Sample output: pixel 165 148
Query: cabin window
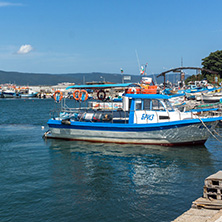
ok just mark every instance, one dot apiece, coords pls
pixel 146 104
pixel 168 105
pixel 157 105
pixel 138 104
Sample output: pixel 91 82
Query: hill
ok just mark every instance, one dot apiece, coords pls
pixel 53 79
pixel 35 79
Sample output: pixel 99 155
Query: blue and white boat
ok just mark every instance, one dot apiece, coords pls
pixel 26 92
pixel 143 119
pixel 10 93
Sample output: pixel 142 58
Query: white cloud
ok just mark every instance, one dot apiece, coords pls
pixel 5 4
pixel 24 49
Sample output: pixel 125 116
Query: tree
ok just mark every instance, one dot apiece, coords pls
pixel 213 62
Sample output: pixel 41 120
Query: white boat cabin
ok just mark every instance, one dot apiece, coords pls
pixel 153 108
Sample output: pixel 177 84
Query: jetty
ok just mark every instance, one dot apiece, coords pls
pixel 207 208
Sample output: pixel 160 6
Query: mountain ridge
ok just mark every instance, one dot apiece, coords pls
pixel 22 78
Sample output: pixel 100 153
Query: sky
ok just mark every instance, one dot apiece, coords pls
pixel 72 36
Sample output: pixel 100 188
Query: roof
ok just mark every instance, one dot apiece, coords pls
pixel 102 86
pixel 147 96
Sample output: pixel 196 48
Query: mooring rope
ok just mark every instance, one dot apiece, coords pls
pixel 209 130
pixel 45 134
pixel 217 133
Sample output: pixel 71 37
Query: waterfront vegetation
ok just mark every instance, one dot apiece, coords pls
pixel 212 62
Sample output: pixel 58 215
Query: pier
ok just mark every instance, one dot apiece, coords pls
pixel 209 207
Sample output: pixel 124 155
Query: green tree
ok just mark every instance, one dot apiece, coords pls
pixel 213 62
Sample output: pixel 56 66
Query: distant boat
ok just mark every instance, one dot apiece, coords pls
pixel 9 93
pixel 212 98
pixel 143 119
pixel 27 93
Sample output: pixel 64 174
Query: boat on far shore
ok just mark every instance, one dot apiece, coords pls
pixel 27 92
pixel 10 91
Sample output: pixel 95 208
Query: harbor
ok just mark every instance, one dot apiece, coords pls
pixel 158 142
pixel 110 111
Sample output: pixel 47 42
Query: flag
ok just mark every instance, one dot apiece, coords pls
pixel 142 70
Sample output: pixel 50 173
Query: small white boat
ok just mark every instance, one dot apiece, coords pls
pixel 27 93
pixel 144 119
pixel 9 93
pixel 212 98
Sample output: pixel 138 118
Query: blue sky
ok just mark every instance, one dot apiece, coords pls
pixel 70 36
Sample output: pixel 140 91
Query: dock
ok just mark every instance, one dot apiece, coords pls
pixel 209 207
pixel 200 215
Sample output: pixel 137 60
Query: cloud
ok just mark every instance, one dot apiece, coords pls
pixel 24 49
pixel 5 4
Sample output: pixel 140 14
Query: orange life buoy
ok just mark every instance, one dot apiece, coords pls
pixel 78 95
pixel 83 91
pixel 60 95
pixel 101 95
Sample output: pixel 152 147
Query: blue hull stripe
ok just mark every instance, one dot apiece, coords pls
pixel 128 127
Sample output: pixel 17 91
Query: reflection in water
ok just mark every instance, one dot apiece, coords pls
pixel 107 149
pixel 133 179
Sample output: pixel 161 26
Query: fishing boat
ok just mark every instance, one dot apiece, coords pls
pixel 142 119
pixel 212 97
pixel 26 92
pixel 10 91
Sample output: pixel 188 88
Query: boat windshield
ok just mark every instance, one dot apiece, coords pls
pixel 168 105
pixel 153 104
pixel 157 105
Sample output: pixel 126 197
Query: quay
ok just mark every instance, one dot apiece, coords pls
pixel 45 92
pixel 42 91
pixel 209 207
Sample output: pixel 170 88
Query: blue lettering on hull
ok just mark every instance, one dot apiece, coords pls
pixel 147 116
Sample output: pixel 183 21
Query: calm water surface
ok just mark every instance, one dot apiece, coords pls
pixel 57 180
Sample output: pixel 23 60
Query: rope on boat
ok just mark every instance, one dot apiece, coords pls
pixel 45 134
pixel 209 130
pixel 217 133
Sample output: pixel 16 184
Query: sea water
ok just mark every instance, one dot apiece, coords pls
pixel 56 180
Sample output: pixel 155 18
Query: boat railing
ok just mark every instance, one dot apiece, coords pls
pixel 87 114
pixel 91 111
pixel 214 113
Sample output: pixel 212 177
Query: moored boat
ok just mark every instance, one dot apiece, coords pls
pixel 143 119
pixel 10 92
pixel 212 98
pixel 26 92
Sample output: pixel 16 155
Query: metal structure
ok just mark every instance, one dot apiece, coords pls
pixel 179 69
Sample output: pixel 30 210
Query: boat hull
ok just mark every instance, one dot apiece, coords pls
pixel 213 99
pixel 8 94
pixel 164 134
pixel 28 95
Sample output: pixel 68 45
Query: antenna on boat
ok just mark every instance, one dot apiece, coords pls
pixel 138 61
